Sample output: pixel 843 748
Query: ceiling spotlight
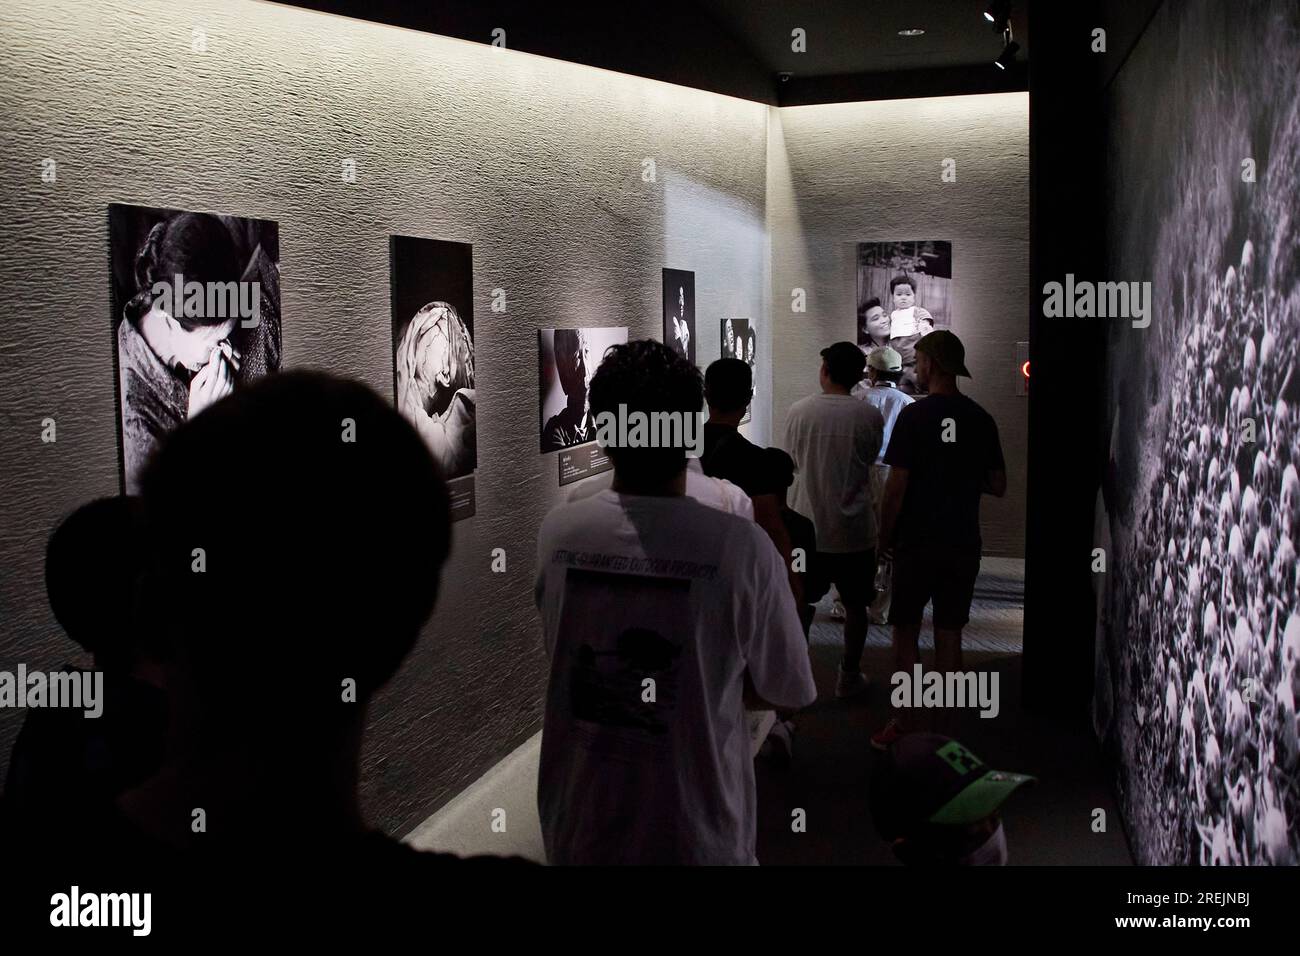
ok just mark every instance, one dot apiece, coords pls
pixel 1008 55
pixel 913 32
pixel 998 13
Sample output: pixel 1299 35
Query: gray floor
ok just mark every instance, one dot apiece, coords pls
pixel 1049 823
pixel 997 616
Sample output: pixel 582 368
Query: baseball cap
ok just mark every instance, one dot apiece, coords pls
pixel 885 359
pixel 930 778
pixel 844 361
pixel 946 350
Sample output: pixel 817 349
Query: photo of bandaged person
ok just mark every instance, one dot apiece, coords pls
pixel 433 355
pixel 435 385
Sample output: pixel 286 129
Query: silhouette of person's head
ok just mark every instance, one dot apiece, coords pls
pixel 648 377
pixel 728 385
pixel 780 468
pixel 297 531
pixel 91 564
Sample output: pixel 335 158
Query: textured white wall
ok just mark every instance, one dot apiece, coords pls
pixel 534 161
pixel 538 164
pixel 854 172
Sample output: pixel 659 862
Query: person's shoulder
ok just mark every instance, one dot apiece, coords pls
pixel 976 408
pixel 571 514
pixel 869 411
pixel 912 413
pixel 912 409
pixel 748 549
pixel 801 406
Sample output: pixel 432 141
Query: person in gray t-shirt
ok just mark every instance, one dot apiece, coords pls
pixel 834 439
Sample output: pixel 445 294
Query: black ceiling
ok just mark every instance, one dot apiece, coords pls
pixel 742 47
pixel 862 36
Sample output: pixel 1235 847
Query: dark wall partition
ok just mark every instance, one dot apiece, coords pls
pixel 1067 357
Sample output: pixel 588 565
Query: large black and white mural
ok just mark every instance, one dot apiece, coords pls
pixel 1198 655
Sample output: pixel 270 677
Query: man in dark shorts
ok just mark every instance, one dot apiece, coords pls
pixel 943 454
pixel 833 439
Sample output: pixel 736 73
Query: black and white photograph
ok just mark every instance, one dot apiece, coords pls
pixel 433 354
pixel 679 312
pixel 1199 654
pixel 196 314
pixel 568 358
pixel 734 339
pixel 904 291
pixel 739 339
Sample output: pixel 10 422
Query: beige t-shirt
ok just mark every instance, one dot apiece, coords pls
pixel 833 440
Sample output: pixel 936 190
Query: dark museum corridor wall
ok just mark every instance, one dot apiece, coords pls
pixel 539 164
pixel 1198 661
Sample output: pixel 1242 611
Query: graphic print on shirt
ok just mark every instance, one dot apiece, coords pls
pixel 624 668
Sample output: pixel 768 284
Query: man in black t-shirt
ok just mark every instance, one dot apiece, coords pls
pixel 728 388
pixel 943 455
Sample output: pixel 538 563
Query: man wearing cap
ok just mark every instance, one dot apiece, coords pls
pixel 880 389
pixel 937 803
pixel 833 439
pixel 943 454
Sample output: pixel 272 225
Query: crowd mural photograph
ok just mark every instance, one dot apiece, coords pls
pixel 323 621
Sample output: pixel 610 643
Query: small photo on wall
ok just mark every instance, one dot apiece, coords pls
pixel 679 312
pixel 739 340
pixel 196 314
pixel 433 355
pixel 904 292
pixel 567 360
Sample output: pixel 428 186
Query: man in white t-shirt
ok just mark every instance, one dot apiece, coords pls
pixel 833 439
pixel 664 620
pixel 714 492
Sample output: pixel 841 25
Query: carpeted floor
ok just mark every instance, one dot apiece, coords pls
pixel 1049 823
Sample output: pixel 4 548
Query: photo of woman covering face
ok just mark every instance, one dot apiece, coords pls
pixel 196 314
